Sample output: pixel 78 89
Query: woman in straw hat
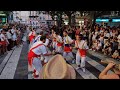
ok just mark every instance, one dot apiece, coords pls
pixel 82 47
pixel 104 74
pixel 36 51
pixel 57 68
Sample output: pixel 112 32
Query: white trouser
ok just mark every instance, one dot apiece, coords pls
pixel 78 58
pixel 59 49
pixel 70 54
pixel 37 64
pixel 54 45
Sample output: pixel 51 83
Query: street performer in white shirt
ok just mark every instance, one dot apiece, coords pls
pixel 59 43
pixel 37 38
pixel 82 47
pixel 54 41
pixel 67 46
pixel 35 53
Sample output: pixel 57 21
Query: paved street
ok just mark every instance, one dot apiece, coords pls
pixel 14 65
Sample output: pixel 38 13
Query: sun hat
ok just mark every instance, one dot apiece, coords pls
pixel 57 68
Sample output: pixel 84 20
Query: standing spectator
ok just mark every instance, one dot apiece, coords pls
pixel 14 36
pixel 119 44
pixel 3 41
pixel 78 30
pixel 9 37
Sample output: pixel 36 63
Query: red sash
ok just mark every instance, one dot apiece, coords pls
pixel 82 52
pixel 31 55
pixel 3 43
pixel 54 40
pixel 67 49
pixel 31 37
pixel 59 44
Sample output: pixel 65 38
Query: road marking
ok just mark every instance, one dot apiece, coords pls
pixel 96 64
pixel 10 68
pixel 96 54
pixel 2 65
pixel 86 75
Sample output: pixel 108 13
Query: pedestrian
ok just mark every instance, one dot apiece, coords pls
pixel 34 55
pixel 3 41
pixel 14 36
pixel 9 37
pixel 82 48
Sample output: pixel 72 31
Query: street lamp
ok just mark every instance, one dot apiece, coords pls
pixel 55 18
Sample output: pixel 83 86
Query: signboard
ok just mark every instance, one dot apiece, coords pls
pixel 115 20
pixel 102 20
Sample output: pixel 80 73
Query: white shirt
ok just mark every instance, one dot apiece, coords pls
pixel 46 42
pixel 37 38
pixel 118 41
pixel 81 45
pixel 69 40
pixel 12 30
pixel 2 37
pixel 14 37
pixel 107 35
pixel 93 37
pixel 59 38
pixel 40 49
pixel 99 44
pixel 9 35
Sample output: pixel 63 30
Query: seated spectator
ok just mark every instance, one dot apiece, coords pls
pixel 104 74
pixel 107 48
pixel 115 54
pixel 99 45
pixel 94 45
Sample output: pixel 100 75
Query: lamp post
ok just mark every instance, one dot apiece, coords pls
pixel 55 18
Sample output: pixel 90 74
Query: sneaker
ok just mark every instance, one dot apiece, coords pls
pixel 77 68
pixel 83 69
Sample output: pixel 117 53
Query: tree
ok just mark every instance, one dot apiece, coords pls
pixel 69 13
pixel 7 12
pixel 96 14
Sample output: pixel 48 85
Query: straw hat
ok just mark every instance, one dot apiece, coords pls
pixel 57 68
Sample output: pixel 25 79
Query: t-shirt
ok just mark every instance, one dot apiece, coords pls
pixel 2 37
pixel 107 35
pixel 9 35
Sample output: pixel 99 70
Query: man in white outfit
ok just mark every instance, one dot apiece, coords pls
pixel 35 53
pixel 67 46
pixel 59 43
pixel 82 47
